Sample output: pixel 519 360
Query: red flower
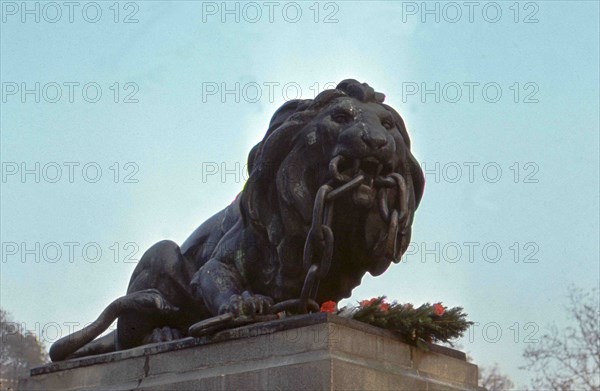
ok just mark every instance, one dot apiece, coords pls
pixel 367 303
pixel 384 307
pixel 328 306
pixel 438 309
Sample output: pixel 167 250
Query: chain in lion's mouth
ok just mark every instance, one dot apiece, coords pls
pixel 372 171
pixel 343 168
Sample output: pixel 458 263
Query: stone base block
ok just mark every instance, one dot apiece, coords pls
pixel 309 352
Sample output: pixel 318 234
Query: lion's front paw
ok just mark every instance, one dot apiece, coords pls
pixel 247 304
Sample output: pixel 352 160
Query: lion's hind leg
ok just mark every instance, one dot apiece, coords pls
pixel 162 267
pixel 149 301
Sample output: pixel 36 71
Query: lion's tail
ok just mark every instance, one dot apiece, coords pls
pixel 82 343
pixel 70 344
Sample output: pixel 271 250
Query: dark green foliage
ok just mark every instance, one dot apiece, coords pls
pixel 416 326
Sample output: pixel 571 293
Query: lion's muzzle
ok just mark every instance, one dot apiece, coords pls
pixel 366 138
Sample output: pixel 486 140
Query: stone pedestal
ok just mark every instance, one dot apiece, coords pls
pixel 310 352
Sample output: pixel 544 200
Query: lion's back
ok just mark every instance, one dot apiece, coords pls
pixel 200 245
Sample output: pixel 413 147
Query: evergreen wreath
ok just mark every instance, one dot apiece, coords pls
pixel 428 323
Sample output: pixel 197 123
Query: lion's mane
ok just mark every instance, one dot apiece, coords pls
pixel 283 179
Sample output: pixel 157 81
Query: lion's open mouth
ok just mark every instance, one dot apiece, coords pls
pixel 343 169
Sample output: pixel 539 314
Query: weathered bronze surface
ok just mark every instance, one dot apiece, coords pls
pixel 331 195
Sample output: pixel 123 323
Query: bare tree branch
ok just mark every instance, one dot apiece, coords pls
pixel 569 359
pixel 18 352
pixel 493 380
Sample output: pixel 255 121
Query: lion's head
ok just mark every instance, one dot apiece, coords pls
pixel 351 127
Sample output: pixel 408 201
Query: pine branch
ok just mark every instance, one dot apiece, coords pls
pixel 416 326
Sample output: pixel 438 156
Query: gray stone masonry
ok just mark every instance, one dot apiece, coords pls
pixel 310 352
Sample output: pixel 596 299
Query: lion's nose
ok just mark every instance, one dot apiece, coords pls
pixel 374 139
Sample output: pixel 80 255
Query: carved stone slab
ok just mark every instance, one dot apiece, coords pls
pixel 311 352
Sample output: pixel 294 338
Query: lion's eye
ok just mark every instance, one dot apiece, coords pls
pixel 342 117
pixel 387 124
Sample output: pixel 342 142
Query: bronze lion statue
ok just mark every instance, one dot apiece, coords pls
pixel 281 238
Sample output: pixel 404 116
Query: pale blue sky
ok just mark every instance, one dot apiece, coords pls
pixel 170 54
